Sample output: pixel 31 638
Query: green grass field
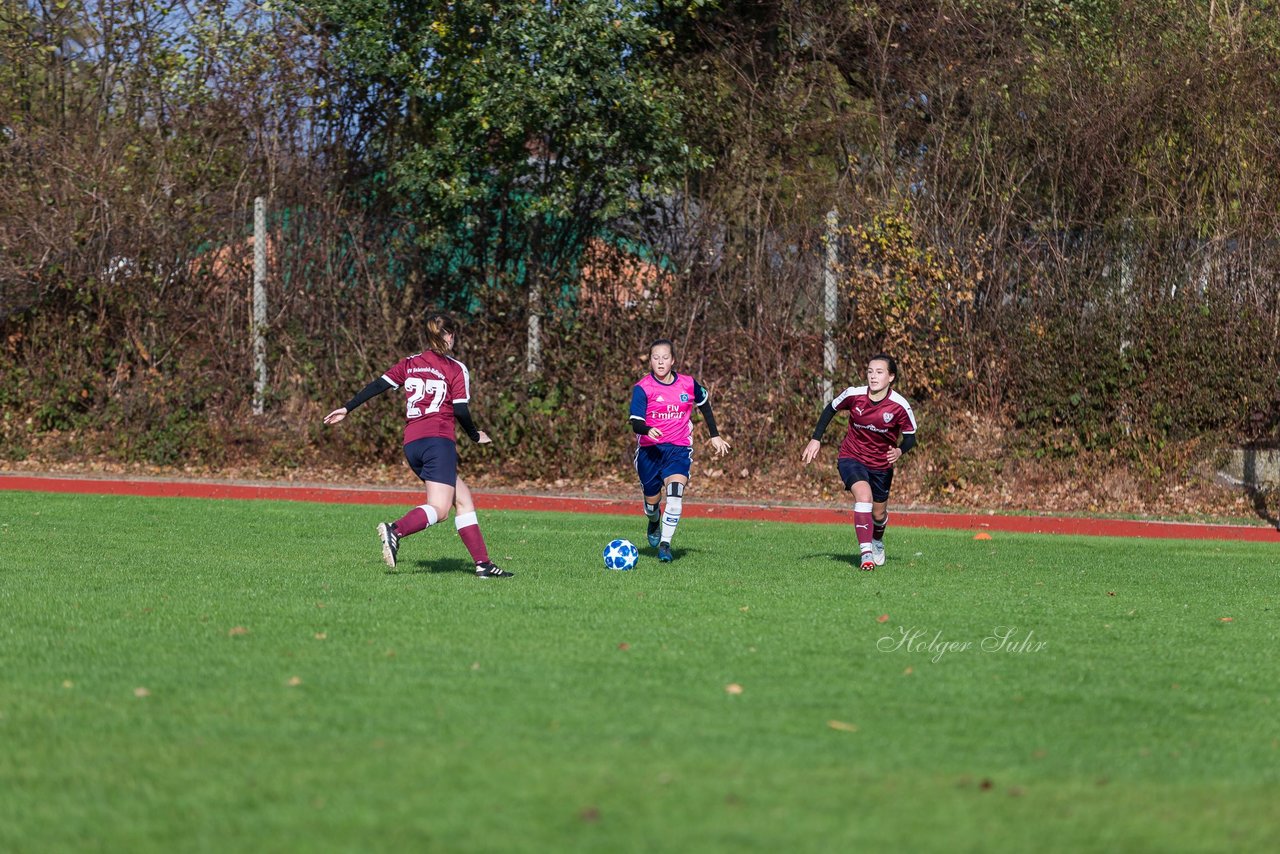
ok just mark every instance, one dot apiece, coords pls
pixel 204 675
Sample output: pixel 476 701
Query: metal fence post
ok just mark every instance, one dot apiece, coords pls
pixel 830 305
pixel 259 325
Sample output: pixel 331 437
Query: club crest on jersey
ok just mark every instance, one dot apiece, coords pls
pixel 684 398
pixel 888 416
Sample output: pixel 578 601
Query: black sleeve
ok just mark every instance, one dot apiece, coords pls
pixel 373 389
pixel 638 426
pixel 823 420
pixel 908 442
pixel 462 413
pixel 705 409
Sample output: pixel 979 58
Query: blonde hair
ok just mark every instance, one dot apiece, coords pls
pixel 438 325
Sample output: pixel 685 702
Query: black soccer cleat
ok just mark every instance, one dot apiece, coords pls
pixel 390 542
pixel 489 569
pixel 655 525
pixel 664 552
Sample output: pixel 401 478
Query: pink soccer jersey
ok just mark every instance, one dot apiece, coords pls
pixel 874 425
pixel 432 385
pixel 668 407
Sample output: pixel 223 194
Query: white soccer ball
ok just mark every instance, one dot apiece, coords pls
pixel 621 554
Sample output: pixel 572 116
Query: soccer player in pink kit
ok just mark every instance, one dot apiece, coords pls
pixel 661 417
pixel 437 389
pixel 878 416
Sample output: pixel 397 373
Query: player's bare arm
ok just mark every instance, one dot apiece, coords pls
pixel 811 451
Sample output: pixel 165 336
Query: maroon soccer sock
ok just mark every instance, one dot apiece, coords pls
pixel 862 525
pixel 469 530
pixel 416 520
pixel 877 528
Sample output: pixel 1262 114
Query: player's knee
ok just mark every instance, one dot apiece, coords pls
pixel 675 500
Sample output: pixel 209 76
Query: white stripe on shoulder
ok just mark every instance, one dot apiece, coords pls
pixel 466 379
pixel 847 393
pixel 394 384
pixel 902 401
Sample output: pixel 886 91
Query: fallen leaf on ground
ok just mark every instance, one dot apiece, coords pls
pixel 842 726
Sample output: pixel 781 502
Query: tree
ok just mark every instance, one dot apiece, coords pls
pixel 510 132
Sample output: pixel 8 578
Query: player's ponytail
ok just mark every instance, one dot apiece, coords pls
pixel 438 325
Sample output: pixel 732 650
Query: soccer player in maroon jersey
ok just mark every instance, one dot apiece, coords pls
pixel 662 404
pixel 878 416
pixel 437 389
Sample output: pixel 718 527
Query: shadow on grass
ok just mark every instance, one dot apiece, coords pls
pixel 677 552
pixel 438 566
pixel 835 557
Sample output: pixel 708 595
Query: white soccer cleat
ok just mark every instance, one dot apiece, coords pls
pixel 390 542
pixel 877 552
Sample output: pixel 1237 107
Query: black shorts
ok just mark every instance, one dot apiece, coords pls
pixel 852 471
pixel 434 459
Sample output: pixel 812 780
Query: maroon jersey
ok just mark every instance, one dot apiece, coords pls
pixel 874 425
pixel 432 385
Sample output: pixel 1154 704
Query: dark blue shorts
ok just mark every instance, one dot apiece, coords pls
pixel 434 459
pixel 656 463
pixel 852 471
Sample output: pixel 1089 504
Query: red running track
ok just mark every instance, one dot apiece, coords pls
pixel 759 513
